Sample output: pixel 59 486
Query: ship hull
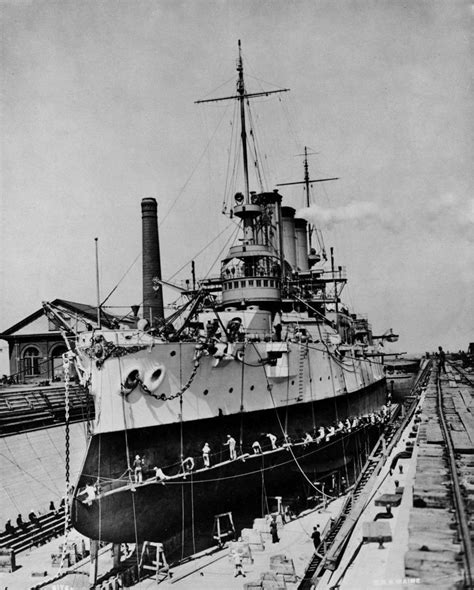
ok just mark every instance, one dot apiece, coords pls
pixel 157 511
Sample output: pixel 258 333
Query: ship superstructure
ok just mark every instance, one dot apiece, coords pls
pixel 264 355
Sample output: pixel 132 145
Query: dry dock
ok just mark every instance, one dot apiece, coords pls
pixel 406 523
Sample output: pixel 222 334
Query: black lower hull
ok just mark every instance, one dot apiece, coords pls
pixel 158 511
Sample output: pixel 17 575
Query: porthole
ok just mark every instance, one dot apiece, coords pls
pixel 156 375
pixel 206 391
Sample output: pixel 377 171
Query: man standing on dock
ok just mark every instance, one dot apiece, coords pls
pixel 316 536
pixel 441 360
pixel 238 565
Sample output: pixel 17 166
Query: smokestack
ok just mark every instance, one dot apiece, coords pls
pixel 301 244
pixel 289 238
pixel 152 299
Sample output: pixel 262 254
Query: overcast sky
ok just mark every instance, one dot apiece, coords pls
pixel 98 112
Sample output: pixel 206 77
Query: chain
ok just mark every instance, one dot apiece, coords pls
pixel 163 396
pixel 66 367
pixel 101 349
pixel 66 363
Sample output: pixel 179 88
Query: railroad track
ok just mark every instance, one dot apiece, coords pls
pixel 388 440
pixel 461 470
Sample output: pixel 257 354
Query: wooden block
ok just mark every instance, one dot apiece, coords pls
pixel 376 531
pixel 253 538
pixel 388 500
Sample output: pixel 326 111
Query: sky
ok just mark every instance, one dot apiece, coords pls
pixel 98 111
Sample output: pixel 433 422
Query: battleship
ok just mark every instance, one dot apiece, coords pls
pixel 260 384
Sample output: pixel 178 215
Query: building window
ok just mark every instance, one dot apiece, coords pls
pixel 57 369
pixel 31 361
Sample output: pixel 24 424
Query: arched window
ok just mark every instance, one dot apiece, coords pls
pixel 31 361
pixel 57 362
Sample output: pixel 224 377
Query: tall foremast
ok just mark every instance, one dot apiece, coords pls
pixel 252 271
pixel 243 133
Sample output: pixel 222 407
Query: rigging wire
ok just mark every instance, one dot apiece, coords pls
pixel 269 389
pixel 255 152
pixel 183 188
pixel 230 175
pixel 231 237
pixel 202 250
pixel 163 219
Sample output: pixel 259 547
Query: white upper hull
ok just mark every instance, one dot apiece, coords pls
pixel 210 386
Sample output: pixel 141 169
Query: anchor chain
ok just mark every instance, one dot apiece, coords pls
pixel 66 369
pixel 163 396
pixel 102 349
pixel 66 364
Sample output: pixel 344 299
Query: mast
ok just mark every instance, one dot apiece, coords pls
pixel 306 183
pixel 241 96
pixel 243 133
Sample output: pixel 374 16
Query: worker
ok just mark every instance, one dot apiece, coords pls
pixel 274 531
pixel 238 565
pixel 89 493
pixel 272 439
pixel 159 474
pixel 316 536
pixel 330 433
pixel 257 449
pixel 321 434
pixel 138 469
pixel 33 518
pixel 307 438
pixel 206 450
pixel 231 442
pixel 441 360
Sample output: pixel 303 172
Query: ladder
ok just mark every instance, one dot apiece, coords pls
pixel 153 558
pixel 302 358
pixel 223 527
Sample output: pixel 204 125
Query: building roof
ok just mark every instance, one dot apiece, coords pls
pixel 88 312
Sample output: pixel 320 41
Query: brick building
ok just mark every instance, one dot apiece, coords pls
pixel 36 346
